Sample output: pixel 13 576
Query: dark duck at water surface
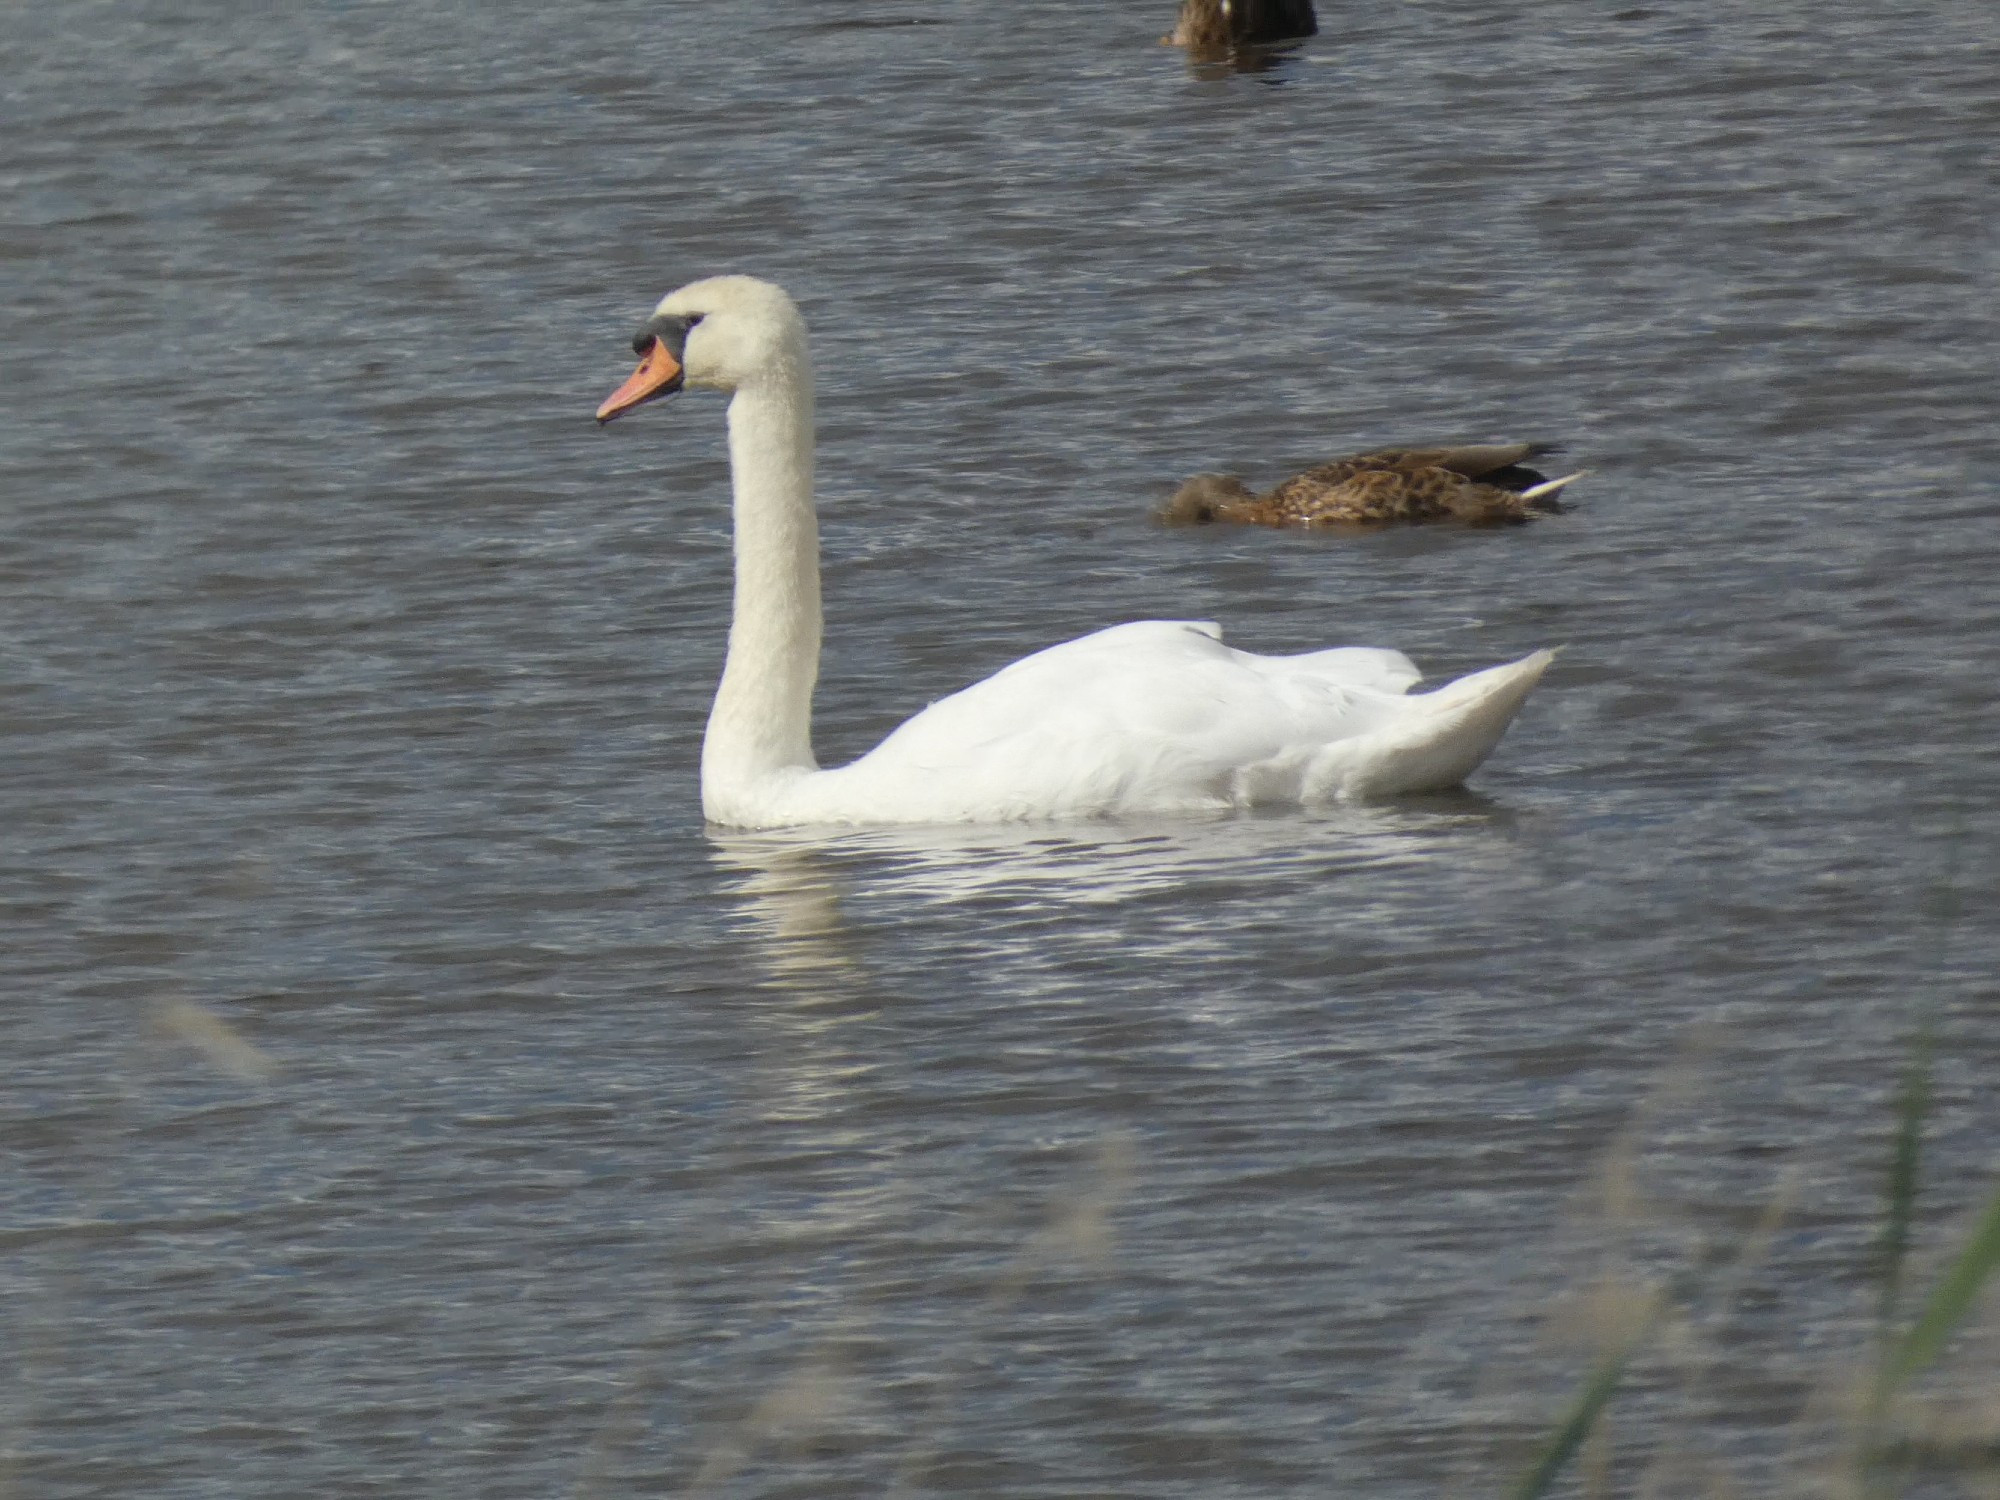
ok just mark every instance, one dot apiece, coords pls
pixel 1211 26
pixel 1479 485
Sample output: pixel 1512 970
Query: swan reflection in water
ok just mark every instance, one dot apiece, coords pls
pixel 1004 902
pixel 793 880
pixel 867 942
pixel 818 998
pixel 857 932
pixel 791 895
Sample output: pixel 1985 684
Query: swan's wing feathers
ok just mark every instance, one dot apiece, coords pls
pixel 1124 717
pixel 1162 716
pixel 1163 668
pixel 1375 667
pixel 1164 638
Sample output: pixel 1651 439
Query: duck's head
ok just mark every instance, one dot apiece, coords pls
pixel 1203 499
pixel 726 332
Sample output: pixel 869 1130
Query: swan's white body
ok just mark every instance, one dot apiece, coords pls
pixel 1157 716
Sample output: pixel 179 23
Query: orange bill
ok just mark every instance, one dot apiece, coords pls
pixel 659 374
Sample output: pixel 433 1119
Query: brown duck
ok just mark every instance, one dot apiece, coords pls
pixel 1208 26
pixel 1485 485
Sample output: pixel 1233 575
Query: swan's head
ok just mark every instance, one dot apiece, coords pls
pixel 1202 499
pixel 726 332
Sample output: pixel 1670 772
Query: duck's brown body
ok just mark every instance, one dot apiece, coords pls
pixel 1485 485
pixel 1217 25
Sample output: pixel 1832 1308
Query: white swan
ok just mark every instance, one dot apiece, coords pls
pixel 1158 716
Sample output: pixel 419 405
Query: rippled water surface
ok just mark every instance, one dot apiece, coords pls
pixel 353 684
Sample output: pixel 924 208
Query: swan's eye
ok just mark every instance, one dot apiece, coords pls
pixel 666 329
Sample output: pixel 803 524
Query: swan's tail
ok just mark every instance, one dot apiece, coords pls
pixel 1442 738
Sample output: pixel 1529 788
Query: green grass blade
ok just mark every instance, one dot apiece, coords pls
pixel 1583 1413
pixel 1949 1302
pixel 1913 1104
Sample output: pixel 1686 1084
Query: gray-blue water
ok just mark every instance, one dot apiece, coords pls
pixel 353 684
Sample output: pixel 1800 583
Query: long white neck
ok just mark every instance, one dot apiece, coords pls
pixel 761 724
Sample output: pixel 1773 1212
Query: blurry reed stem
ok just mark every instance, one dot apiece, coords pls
pixel 1944 1311
pixel 1913 1103
pixel 1587 1407
pixel 1079 1228
pixel 1900 1358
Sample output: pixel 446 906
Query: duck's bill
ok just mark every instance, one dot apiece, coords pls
pixel 659 374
